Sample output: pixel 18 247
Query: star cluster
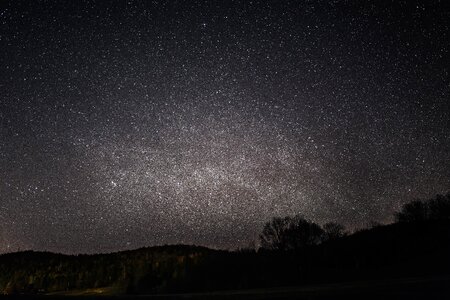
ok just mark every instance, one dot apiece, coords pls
pixel 139 123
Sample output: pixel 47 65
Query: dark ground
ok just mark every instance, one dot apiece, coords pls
pixel 405 288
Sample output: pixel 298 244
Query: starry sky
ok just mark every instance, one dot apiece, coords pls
pixel 126 124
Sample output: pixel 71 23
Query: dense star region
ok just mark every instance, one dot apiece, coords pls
pixel 136 123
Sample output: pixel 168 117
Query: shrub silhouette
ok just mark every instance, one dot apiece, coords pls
pixel 414 211
pixel 290 233
pixel 333 231
pixel 437 208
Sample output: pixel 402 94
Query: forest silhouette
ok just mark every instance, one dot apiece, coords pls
pixel 293 251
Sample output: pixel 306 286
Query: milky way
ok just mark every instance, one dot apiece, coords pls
pixel 134 124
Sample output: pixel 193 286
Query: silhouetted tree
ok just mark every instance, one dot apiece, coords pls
pixel 333 231
pixel 412 212
pixel 439 207
pixel 290 233
pixel 273 235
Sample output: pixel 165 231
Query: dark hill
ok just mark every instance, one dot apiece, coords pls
pixel 394 251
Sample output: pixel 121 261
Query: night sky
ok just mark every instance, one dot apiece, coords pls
pixel 130 124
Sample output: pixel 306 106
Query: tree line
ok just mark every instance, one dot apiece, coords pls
pixel 294 251
pixel 296 232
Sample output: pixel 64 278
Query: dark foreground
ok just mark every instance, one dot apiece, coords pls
pixel 407 260
pixel 405 288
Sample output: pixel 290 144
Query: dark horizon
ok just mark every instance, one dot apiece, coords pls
pixel 139 123
pixel 298 259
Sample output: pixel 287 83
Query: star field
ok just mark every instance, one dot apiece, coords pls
pixel 140 123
